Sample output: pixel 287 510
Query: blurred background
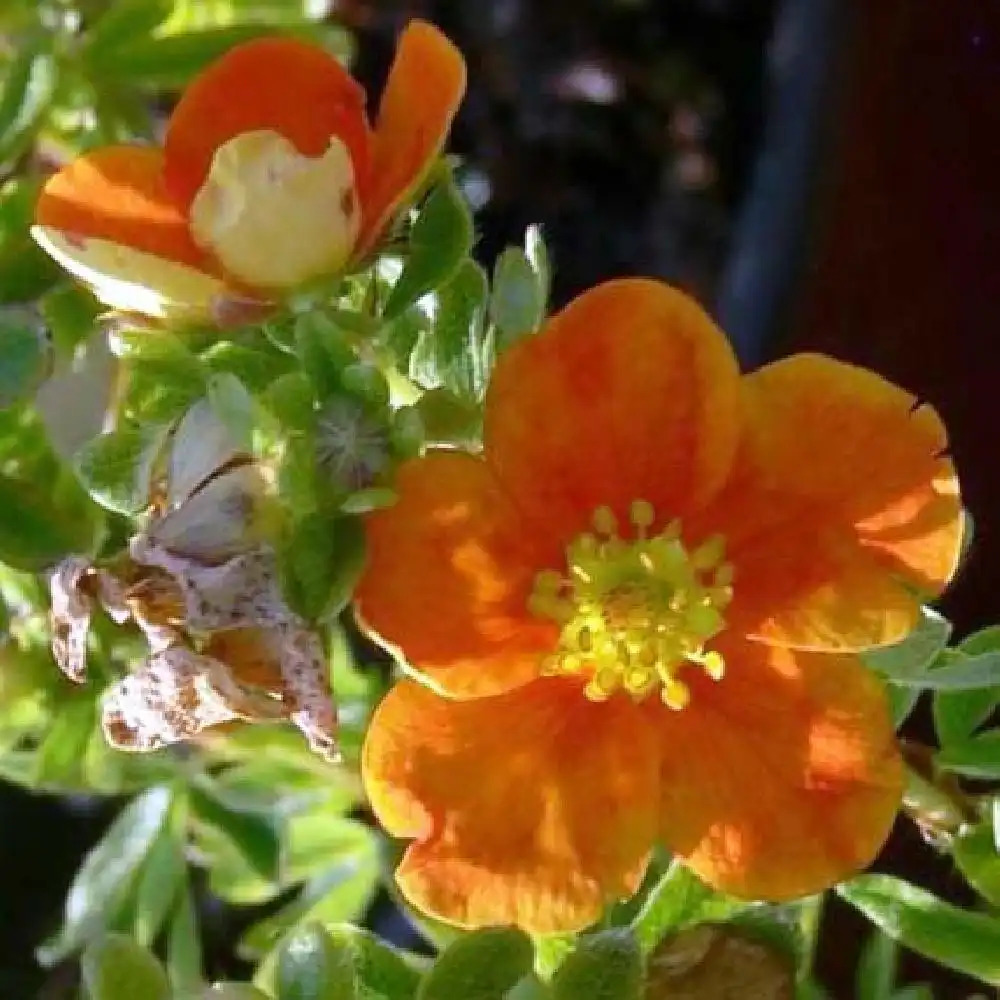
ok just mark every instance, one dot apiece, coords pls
pixel 821 173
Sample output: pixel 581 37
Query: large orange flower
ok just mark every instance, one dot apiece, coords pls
pixel 270 176
pixel 635 618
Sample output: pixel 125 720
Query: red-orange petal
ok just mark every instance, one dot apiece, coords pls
pixel 281 84
pixel 630 393
pixel 448 578
pixel 842 506
pixel 118 194
pixel 425 87
pixel 532 808
pixel 783 778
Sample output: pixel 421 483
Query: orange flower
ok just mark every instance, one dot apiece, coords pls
pixel 643 604
pixel 270 176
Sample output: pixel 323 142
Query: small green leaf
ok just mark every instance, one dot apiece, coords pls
pixel 117 468
pixel 439 241
pixel 60 757
pixel 321 562
pixel 380 971
pixel 517 300
pixel 977 757
pixel 538 255
pixel 25 360
pixel 108 873
pixel 482 965
pixel 312 967
pixel 679 900
pixel 254 832
pixel 116 968
pixel 163 875
pixel 909 659
pixel 234 406
pixel 604 966
pixel 233 991
pixel 961 940
pixel 121 24
pixel 69 313
pixel 170 62
pixel 28 86
pixel 954 671
pixel 456 352
pixel 164 378
pixel 958 714
pixel 975 853
pixel 255 367
pixel 876 974
pixel 290 398
pixel 184 946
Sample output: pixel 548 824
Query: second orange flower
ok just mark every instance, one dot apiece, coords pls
pixel 635 618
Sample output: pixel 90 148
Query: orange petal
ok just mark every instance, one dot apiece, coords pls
pixel 842 506
pixel 532 808
pixel 631 392
pixel 448 578
pixel 425 87
pixel 281 84
pixel 118 194
pixel 782 778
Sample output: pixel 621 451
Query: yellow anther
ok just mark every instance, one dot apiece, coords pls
pixel 635 613
pixel 675 694
pixel 641 514
pixel 604 521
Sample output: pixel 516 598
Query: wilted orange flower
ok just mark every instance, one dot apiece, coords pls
pixel 270 176
pixel 643 604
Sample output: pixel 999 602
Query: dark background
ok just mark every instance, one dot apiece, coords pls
pixel 822 173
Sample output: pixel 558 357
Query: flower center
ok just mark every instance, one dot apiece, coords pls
pixel 633 613
pixel 273 217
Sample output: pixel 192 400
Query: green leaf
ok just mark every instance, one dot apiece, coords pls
pixel 910 659
pixel 255 833
pixel 975 853
pixel 108 873
pixel 184 946
pixel 170 62
pixel 60 757
pixel 447 419
pixel 321 562
pixel 163 874
pixel 234 406
pixel 117 468
pixel 44 519
pixel 339 893
pixel 954 671
pixel 876 974
pixel 961 940
pixel 290 398
pixel 25 359
pixel 164 378
pixel 440 240
pixel 70 314
pixel 116 968
pixel 325 352
pixel 455 352
pixel 482 965
pixel 255 367
pixel 26 271
pixel 604 966
pixel 958 714
pixel 517 301
pixel 679 900
pixel 121 24
pixel 312 967
pixel 28 87
pixel 380 971
pixel 538 255
pixel 977 757
pixel 234 991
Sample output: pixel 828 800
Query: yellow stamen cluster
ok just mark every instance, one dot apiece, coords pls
pixel 633 613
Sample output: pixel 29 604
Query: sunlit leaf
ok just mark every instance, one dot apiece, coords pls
pixel 117 467
pixel 312 967
pixel 108 873
pixel 116 968
pixel 604 966
pixel 482 965
pixel 440 239
pixel 959 939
